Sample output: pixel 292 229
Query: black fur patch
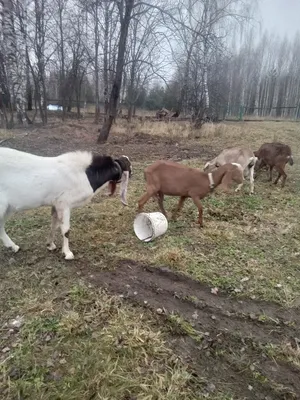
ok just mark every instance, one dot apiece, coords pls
pixel 102 169
pixel 125 164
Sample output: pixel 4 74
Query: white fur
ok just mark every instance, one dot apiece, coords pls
pixel 242 171
pixel 28 181
pixel 211 180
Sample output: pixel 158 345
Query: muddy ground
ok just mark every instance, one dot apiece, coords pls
pixel 226 331
pixel 224 340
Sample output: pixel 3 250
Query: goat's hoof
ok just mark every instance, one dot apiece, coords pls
pixel 15 248
pixel 51 246
pixel 69 256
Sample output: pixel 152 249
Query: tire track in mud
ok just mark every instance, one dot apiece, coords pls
pixel 227 348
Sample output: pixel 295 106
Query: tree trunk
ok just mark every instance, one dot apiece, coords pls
pixel 29 96
pixel 130 113
pixel 62 59
pixel 97 97
pixel 105 58
pixel 115 92
pixel 14 57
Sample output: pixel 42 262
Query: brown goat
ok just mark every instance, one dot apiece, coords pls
pixel 174 179
pixel 276 155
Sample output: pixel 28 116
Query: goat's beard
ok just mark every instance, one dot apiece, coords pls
pixel 123 187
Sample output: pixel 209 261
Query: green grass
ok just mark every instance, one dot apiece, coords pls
pixel 243 236
pixel 79 342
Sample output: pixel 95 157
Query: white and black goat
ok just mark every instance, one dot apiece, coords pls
pixel 64 182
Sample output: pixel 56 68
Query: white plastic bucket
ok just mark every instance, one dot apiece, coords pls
pixel 148 226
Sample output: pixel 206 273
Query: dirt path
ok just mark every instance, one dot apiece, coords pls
pixel 226 348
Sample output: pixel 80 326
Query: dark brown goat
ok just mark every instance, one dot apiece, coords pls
pixel 276 155
pixel 174 179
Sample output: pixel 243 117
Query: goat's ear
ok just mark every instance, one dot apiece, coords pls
pixel 206 166
pixel 124 187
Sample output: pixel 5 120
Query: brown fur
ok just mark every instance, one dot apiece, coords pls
pixel 174 179
pixel 276 155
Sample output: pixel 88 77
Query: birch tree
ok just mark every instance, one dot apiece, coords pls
pixel 14 50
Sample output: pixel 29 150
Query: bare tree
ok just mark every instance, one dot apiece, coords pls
pixel 143 58
pixel 14 50
pixel 125 11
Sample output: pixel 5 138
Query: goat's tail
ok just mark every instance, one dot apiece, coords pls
pixel 291 160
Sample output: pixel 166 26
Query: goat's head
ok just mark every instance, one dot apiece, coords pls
pixel 259 162
pixel 233 173
pixel 126 168
pixel 125 164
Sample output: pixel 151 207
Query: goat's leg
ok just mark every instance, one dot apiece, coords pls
pixel 6 239
pixel 240 181
pixel 239 186
pixel 64 217
pixel 271 173
pixel 197 202
pixel 282 173
pixel 251 178
pixel 54 226
pixel 3 235
pixel 143 200
pixel 160 198
pixel 179 207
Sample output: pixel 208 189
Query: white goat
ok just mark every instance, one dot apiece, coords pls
pixel 243 156
pixel 69 180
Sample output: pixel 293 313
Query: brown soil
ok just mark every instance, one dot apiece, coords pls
pixel 227 350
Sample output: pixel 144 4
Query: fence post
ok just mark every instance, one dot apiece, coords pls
pixel 241 113
pixel 297 111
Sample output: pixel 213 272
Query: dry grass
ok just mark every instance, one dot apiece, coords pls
pixel 86 344
pixel 171 129
pixel 218 135
pixel 81 343
pixel 5 134
pixel 250 133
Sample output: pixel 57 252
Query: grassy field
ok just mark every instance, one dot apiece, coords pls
pixel 79 338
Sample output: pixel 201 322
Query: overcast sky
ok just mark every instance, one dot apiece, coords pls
pixel 280 16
